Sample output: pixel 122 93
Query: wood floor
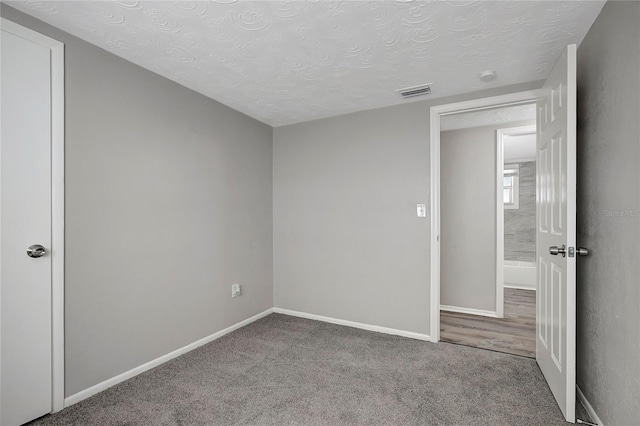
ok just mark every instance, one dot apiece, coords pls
pixel 514 334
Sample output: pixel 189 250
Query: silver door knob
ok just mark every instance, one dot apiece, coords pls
pixel 36 250
pixel 555 250
pixel 582 251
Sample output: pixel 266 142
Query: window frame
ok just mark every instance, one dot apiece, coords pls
pixel 512 171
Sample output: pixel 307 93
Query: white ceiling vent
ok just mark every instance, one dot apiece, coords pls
pixel 410 92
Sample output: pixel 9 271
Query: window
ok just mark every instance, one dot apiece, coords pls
pixel 510 186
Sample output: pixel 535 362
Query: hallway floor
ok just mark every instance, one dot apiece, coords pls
pixel 514 334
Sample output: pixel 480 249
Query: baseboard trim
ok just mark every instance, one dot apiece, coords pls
pixel 588 407
pixel 77 397
pixel 520 286
pixel 369 327
pixel 470 311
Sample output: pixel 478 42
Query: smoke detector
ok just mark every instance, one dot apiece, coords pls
pixel 411 92
pixel 488 75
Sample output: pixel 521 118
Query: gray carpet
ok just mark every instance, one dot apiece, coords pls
pixel 283 370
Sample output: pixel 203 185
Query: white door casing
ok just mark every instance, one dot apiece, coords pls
pixel 512 99
pixel 556 226
pixel 31 212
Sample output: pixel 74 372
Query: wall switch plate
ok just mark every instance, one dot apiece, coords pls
pixel 422 210
pixel 235 290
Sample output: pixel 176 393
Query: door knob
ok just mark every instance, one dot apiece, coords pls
pixel 555 250
pixel 581 251
pixel 36 250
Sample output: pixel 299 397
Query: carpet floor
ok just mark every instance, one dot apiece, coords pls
pixel 283 370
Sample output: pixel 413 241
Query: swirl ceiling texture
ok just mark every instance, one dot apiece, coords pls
pixel 288 62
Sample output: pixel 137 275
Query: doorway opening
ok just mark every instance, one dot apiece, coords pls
pixel 488 269
pixel 481 212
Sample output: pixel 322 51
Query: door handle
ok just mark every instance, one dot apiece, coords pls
pixel 581 251
pixel 36 250
pixel 555 250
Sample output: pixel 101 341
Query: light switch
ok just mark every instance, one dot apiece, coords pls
pixel 422 210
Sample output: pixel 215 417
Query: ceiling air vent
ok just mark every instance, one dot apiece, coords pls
pixel 410 92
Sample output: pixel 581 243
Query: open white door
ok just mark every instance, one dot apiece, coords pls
pixel 556 233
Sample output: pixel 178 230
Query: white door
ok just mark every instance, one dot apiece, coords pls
pixel 556 233
pixel 25 220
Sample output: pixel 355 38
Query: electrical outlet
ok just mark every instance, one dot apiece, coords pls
pixel 235 290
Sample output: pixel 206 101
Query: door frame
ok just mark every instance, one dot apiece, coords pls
pixel 57 203
pixel 499 225
pixel 512 99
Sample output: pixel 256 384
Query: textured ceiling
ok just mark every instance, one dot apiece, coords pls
pixel 488 117
pixel 287 62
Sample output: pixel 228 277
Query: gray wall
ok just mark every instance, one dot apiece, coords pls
pixel 520 223
pixel 468 222
pixel 168 202
pixel 347 242
pixel 608 368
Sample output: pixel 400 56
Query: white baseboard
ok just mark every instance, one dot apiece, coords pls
pixel 520 286
pixel 588 407
pixel 377 328
pixel 470 311
pixel 77 397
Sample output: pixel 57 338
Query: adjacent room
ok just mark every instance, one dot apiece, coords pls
pixel 488 260
pixel 319 212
